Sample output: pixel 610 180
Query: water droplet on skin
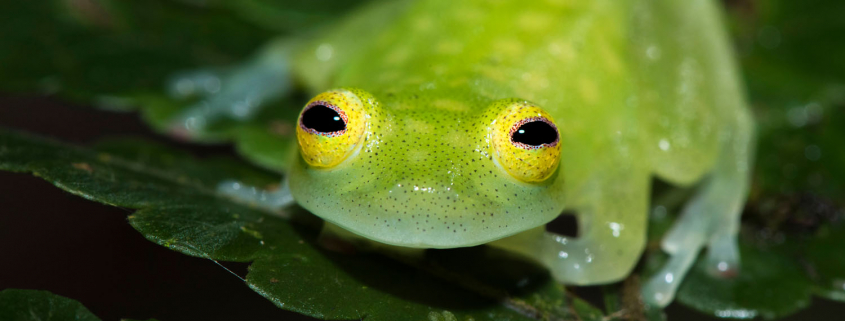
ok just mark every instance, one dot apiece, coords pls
pixel 664 145
pixel 722 266
pixel 653 52
pixel 669 277
pixel 616 228
pixel 324 52
pixel 563 255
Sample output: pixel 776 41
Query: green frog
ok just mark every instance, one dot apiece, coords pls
pixel 444 124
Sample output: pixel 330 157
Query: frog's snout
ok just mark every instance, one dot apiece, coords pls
pixel 425 174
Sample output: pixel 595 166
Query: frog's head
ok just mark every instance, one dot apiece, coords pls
pixel 427 172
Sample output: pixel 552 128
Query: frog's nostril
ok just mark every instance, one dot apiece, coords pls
pixel 565 224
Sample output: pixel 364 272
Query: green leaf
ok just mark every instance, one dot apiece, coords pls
pixel 784 259
pixel 178 207
pixel 99 50
pixel 791 57
pixel 770 285
pixel 826 263
pixel 24 305
pixel 288 15
pixel 120 54
pixel 268 139
pixel 40 305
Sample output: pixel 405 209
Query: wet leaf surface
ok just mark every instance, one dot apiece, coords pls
pixel 790 57
pixel 770 285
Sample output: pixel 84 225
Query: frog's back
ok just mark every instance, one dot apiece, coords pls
pixel 690 98
pixel 654 78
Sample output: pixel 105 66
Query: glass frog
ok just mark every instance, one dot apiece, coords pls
pixel 444 124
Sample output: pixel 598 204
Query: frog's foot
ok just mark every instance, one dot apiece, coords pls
pixel 723 255
pixel 586 260
pixel 271 200
pixel 235 93
pixel 610 241
pixel 683 244
pixel 712 218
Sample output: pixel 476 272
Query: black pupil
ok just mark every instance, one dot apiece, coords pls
pixel 535 133
pixel 323 119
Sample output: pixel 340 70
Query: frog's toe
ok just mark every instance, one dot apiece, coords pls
pixel 723 256
pixel 271 200
pixel 237 94
pixel 711 218
pixel 194 83
pixel 661 288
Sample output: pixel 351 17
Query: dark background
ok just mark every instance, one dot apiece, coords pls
pixel 52 240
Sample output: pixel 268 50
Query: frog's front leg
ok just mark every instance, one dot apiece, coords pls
pixel 711 217
pixel 612 221
pixel 235 93
pixel 271 200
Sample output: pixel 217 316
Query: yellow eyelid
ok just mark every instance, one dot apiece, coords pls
pixel 327 150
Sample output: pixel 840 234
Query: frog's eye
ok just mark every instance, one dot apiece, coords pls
pixel 526 142
pixel 330 127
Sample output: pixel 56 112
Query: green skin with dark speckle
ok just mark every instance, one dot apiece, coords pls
pixel 638 89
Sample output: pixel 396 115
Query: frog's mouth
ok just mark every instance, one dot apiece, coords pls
pixel 421 207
